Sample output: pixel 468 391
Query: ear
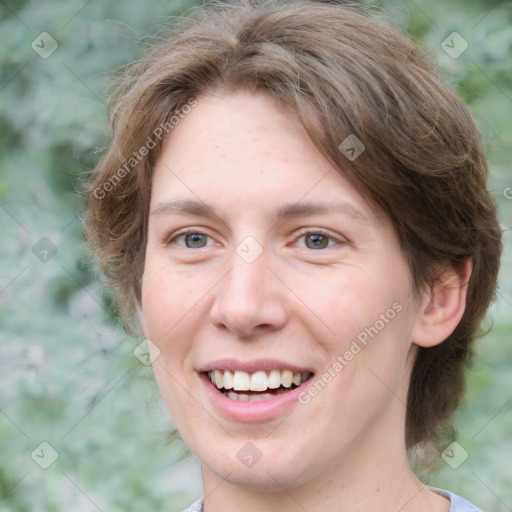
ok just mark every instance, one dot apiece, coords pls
pixel 442 306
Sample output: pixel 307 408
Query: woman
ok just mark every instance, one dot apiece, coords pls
pixel 294 212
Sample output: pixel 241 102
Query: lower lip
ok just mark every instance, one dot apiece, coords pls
pixel 245 411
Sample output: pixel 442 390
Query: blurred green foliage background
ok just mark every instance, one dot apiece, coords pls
pixel 68 375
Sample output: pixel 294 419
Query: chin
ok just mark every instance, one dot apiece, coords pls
pixel 259 465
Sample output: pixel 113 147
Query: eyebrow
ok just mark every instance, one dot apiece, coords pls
pixel 288 210
pixel 189 207
pixel 302 209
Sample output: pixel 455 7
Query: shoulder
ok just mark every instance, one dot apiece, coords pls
pixel 197 506
pixel 457 504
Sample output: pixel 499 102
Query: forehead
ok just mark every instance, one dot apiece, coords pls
pixel 241 131
pixel 244 148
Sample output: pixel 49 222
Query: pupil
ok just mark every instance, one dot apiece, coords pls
pixel 195 240
pixel 316 241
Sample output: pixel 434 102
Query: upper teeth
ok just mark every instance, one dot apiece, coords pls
pixel 257 381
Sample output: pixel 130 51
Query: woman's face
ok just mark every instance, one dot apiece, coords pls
pixel 269 274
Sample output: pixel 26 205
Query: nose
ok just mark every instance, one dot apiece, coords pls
pixel 249 300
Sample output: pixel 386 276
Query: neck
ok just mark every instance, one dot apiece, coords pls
pixel 374 478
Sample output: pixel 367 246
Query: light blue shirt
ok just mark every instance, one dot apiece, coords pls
pixel 457 504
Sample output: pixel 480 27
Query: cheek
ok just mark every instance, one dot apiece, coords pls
pixel 365 318
pixel 168 298
pixel 346 301
pixel 169 310
pixel 166 324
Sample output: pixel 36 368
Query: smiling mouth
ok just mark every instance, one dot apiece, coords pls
pixel 260 385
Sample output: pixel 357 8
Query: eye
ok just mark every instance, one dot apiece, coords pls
pixel 316 240
pixel 193 240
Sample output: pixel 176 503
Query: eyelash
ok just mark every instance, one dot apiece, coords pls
pixel 192 231
pixel 320 232
pixel 184 233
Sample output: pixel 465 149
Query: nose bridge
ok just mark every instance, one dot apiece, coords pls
pixel 246 283
pixel 247 298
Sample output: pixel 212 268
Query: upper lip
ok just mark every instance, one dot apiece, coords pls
pixel 252 366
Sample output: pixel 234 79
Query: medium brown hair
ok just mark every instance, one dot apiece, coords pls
pixel 344 73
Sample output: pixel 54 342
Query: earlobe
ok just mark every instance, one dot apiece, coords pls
pixel 442 306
